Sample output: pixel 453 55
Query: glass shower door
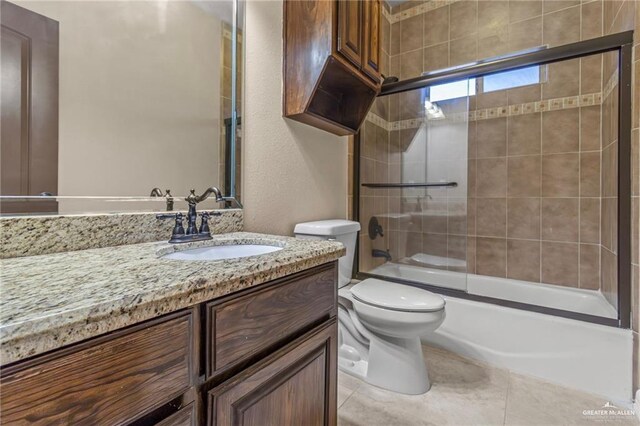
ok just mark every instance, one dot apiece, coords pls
pixel 413 200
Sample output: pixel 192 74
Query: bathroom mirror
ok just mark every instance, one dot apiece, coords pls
pixel 105 101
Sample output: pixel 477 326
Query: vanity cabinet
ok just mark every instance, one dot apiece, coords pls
pixel 331 62
pixel 263 355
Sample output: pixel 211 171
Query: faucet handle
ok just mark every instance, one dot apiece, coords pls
pixel 178 229
pixel 204 223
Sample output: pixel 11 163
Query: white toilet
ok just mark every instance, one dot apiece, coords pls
pixel 380 322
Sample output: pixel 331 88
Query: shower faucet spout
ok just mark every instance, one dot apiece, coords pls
pixel 381 253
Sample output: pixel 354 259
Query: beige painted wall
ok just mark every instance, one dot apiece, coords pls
pixel 139 96
pixel 291 172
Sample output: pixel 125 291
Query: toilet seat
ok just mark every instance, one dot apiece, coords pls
pixel 396 297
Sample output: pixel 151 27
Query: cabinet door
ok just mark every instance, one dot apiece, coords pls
pixel 296 386
pixel 350 30
pixel 371 39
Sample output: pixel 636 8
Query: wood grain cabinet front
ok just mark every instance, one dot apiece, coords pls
pixel 331 62
pixel 295 386
pixel 274 345
pixel 243 326
pixel 111 380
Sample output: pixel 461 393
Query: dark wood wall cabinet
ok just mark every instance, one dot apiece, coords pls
pixel 331 62
pixel 262 356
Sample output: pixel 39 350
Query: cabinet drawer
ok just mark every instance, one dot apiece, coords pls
pixel 108 380
pixel 245 325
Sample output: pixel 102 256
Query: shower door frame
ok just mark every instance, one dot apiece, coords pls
pixel 620 42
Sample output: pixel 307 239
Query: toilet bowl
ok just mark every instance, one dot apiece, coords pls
pixel 379 322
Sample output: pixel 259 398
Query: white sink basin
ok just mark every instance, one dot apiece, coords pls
pixel 222 252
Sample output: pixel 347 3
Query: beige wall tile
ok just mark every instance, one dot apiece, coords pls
pixel 491 137
pixel 560 219
pixel 496 44
pixel 560 131
pixel 524 134
pixel 590 174
pixel 610 170
pixel 560 175
pixel 406 5
pixel 525 34
pixel 411 33
pixel 590 128
pixel 434 244
pixel 562 79
pixel 523 218
pixel 492 16
pixel 521 95
pixel 385 35
pixel 589 266
pixel 463 19
pixel 490 99
pixel 608 224
pixel 436 57
pixel 592 20
pixel 561 27
pixel 560 263
pixel 411 64
pixel 523 176
pixel 463 50
pixel 436 26
pixel 491 217
pixel 457 250
pixel 590 220
pixel 491 177
pixel 491 256
pixel 394 43
pixel 549 6
pixel 591 74
pixel 523 260
pixel 524 9
pixel 471 255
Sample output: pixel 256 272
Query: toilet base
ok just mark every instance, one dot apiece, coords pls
pixel 393 364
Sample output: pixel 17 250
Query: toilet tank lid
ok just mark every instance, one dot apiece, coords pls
pixel 327 227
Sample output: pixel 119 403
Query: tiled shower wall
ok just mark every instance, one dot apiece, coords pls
pixel 420 36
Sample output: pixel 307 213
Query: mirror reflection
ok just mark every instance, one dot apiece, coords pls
pixel 115 99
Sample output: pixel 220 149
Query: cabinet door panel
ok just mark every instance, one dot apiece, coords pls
pixel 350 30
pixel 371 59
pixel 296 386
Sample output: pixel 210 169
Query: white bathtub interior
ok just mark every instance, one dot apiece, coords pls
pixel 590 302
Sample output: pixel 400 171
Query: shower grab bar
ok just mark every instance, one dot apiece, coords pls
pixel 412 185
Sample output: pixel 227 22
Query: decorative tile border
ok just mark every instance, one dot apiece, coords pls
pixel 503 111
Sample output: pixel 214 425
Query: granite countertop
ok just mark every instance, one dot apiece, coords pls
pixel 53 300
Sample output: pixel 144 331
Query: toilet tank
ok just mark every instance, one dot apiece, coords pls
pixel 344 231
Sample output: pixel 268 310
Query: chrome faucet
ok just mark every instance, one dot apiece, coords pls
pixel 192 233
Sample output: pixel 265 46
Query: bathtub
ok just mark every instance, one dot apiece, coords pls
pixel 591 302
pixel 576 354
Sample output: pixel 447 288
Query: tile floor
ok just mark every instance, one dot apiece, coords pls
pixel 465 392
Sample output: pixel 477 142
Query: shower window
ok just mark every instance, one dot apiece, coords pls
pixel 504 187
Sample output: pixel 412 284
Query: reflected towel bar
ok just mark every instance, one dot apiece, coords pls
pixel 412 185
